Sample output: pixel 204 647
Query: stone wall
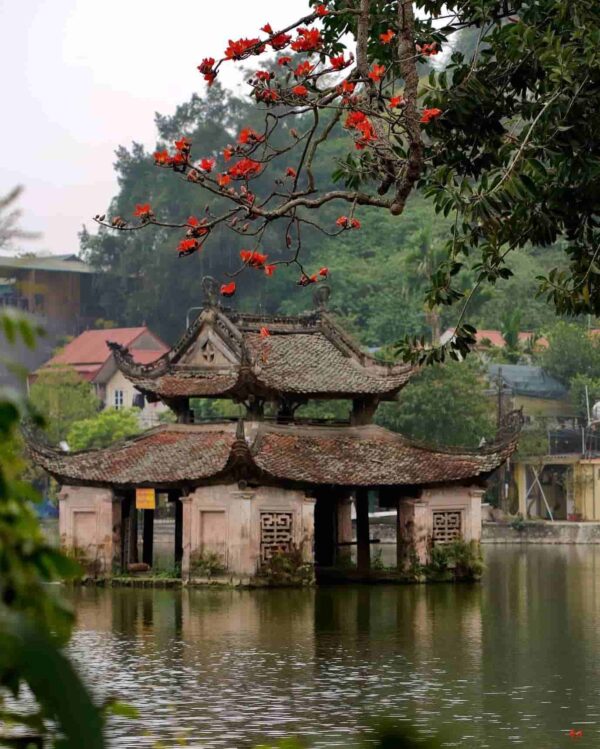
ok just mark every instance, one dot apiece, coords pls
pixel 241 527
pixel 540 532
pixel 90 527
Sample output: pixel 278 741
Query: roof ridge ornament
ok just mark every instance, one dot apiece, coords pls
pixel 211 288
pixel 321 296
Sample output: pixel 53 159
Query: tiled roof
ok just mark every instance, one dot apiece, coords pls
pixel 168 454
pixel 305 355
pixel 366 456
pixel 309 455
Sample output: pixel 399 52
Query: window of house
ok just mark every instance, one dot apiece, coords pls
pixel 118 399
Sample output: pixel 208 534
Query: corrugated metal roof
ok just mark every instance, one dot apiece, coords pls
pixel 523 379
pixel 61 263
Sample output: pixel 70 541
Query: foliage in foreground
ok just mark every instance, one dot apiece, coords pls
pixel 34 622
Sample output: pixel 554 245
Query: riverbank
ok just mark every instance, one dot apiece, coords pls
pixel 540 532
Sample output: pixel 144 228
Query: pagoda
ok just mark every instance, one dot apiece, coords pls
pixel 268 482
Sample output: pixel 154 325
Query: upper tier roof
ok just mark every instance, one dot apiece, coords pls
pixel 223 354
pixel 182 454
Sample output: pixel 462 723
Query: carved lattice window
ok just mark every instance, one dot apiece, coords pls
pixel 275 533
pixel 447 526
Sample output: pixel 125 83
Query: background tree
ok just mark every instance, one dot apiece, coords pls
pixel 447 405
pixel 34 622
pixel 572 351
pixel 62 398
pixel 104 428
pixel 493 140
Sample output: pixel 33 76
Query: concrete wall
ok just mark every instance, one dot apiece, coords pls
pixel 541 532
pixel 226 521
pixel 90 527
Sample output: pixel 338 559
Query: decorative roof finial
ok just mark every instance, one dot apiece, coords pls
pixel 210 286
pixel 321 296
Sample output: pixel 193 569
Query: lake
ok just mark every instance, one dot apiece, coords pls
pixel 514 660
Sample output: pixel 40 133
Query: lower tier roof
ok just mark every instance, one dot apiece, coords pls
pixel 186 455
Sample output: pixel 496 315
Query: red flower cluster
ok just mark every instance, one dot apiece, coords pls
pixel 197 228
pixel 290 172
pixel 285 60
pixel 253 259
pixel 324 272
pixel 223 180
pixel 269 270
pixel 248 135
pixel 162 158
pixel 321 10
pixel 241 48
pixel 427 50
pixel 348 223
pixel 228 289
pixel 263 75
pixel 346 87
pixel 304 69
pixel 308 40
pixel 300 91
pixel 338 62
pixel 244 169
pixel 267 28
pixel 307 280
pixel 187 247
pixel 430 114
pixel 264 333
pixel 206 165
pixel 143 211
pixel 396 101
pixel 280 41
pixel 206 67
pixel 376 73
pixel 387 37
pixel 360 122
pixel 268 95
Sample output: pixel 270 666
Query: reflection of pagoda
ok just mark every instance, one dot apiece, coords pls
pixel 271 481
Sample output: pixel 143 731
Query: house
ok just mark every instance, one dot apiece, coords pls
pixel 53 292
pixel 92 359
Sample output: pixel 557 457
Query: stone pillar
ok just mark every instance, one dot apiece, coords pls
pixel 414 529
pixel 344 528
pixel 186 536
pixel 90 527
pixel 308 528
pixel 363 539
pixel 472 530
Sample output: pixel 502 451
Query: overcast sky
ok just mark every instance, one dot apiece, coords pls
pixel 81 77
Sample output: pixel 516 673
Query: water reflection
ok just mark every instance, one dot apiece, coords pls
pixel 511 661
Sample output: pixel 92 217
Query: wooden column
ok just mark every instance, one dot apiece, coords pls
pixel 148 541
pixel 178 532
pixel 362 531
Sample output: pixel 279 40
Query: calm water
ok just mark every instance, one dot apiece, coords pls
pixel 514 660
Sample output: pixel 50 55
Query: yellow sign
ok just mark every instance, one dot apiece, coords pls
pixel 145 499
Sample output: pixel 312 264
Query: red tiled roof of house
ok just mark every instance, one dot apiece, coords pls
pixel 88 352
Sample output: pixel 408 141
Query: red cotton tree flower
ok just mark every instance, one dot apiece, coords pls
pixel 324 79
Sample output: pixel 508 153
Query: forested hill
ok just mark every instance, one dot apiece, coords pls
pixel 378 273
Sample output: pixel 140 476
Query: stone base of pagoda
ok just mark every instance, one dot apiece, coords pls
pixel 439 516
pixel 233 532
pixel 90 528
